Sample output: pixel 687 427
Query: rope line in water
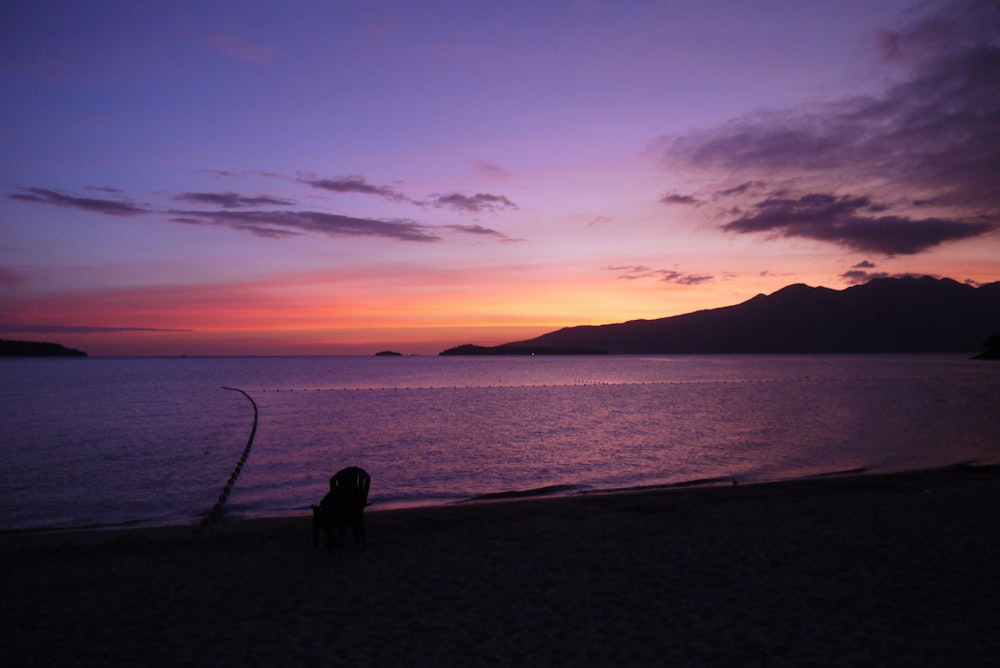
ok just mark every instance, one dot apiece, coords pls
pixel 224 496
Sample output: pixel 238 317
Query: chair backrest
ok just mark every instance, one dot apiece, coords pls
pixel 352 483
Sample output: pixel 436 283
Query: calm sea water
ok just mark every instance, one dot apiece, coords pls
pixel 124 441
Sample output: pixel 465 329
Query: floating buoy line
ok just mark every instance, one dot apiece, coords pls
pixel 224 496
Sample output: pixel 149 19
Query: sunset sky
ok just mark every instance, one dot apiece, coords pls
pixel 343 177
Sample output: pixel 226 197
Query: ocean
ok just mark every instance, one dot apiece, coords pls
pixel 122 442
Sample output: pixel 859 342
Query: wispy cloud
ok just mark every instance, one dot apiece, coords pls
pixel 231 200
pixel 472 203
pixel 243 213
pixel 479 230
pixel 929 142
pixel 676 198
pixel 636 272
pixel 355 185
pixel 489 169
pixel 740 189
pixel 79 329
pixel 113 207
pixel 277 224
pixel 270 224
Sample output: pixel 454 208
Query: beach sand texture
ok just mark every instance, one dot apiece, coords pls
pixel 896 570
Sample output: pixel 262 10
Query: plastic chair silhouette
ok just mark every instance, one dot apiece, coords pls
pixel 344 506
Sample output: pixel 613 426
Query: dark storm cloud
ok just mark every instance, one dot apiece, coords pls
pixel 231 200
pixel 113 207
pixel 278 224
pixel 932 139
pixel 635 272
pixel 356 185
pixel 473 203
pixel 852 222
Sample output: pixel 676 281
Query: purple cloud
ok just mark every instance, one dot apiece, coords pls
pixel 477 230
pixel 741 189
pixel 850 222
pixel 931 139
pixel 473 203
pixel 858 277
pixel 270 224
pixel 279 224
pixel 111 207
pixel 635 272
pixel 230 200
pixel 356 185
pixel 675 198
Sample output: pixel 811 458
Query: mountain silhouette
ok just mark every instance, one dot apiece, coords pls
pixel 890 315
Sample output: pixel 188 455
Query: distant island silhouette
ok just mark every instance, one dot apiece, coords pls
pixel 11 348
pixel 889 315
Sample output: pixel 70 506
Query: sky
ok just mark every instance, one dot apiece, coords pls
pixel 349 176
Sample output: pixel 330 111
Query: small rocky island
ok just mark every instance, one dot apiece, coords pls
pixel 388 353
pixel 11 348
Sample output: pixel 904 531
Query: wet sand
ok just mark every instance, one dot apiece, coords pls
pixel 849 571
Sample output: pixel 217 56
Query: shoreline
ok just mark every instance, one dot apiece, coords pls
pixel 871 569
pixel 194 525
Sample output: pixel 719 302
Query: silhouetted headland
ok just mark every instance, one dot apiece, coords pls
pixel 890 315
pixel 10 348
pixel 470 349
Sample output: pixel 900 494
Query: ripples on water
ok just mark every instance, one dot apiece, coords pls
pixel 110 441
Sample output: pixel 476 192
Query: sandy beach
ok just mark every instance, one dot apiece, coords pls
pixel 889 570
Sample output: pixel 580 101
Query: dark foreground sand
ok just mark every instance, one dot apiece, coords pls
pixel 870 571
